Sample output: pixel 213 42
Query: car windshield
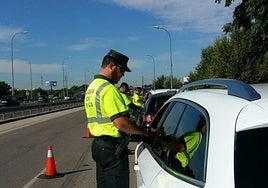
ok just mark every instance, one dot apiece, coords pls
pixel 153 104
pixel 251 156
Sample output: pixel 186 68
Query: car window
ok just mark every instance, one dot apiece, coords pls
pixel 250 158
pixel 156 103
pixel 181 139
pixel 166 127
pixel 147 100
pixel 149 104
pixel 192 132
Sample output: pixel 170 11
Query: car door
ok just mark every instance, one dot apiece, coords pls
pixel 149 163
pixel 179 118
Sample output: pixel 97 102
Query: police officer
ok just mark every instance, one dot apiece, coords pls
pixel 124 89
pixel 107 121
pixel 137 97
pixel 132 108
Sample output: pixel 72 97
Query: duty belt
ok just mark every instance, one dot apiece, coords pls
pixel 107 138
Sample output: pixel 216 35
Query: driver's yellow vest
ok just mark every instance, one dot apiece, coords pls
pixel 192 141
pixel 103 103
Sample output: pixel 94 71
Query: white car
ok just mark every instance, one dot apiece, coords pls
pixel 230 151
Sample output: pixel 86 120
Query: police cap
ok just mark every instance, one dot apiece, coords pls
pixel 120 59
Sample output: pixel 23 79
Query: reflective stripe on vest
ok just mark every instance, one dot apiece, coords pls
pixel 99 117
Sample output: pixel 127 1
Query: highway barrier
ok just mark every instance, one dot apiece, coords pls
pixel 8 114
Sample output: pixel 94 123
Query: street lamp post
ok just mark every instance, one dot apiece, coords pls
pixel 170 50
pixel 85 82
pixel 12 67
pixel 154 69
pixel 87 72
pixel 66 84
pixel 31 79
pixel 63 78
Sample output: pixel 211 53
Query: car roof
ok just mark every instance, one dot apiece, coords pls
pixel 245 111
pixel 234 87
pixel 153 92
pixel 163 94
pixel 262 89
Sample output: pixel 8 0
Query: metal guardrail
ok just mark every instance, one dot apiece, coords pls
pixel 8 114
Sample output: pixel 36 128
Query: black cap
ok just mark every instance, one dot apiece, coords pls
pixel 120 59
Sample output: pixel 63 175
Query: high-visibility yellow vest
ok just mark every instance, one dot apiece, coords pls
pixel 136 99
pixel 192 141
pixel 103 103
pixel 126 98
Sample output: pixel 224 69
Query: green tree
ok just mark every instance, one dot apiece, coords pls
pixel 242 52
pixel 39 91
pixel 205 69
pixel 176 83
pixel 251 18
pixel 76 89
pixel 159 83
pixel 163 82
pixel 4 88
pixel 228 58
pixel 249 66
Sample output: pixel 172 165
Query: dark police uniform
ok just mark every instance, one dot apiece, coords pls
pixel 104 103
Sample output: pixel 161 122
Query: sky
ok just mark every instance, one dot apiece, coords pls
pixel 75 35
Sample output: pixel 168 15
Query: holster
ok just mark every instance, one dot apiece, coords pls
pixel 121 145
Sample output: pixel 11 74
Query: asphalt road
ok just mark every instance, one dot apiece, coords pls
pixel 23 152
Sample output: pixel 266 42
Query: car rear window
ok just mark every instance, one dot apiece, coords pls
pixel 155 104
pixel 251 158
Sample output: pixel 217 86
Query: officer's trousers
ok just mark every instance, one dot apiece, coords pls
pixel 111 172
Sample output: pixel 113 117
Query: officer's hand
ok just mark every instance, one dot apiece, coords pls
pixel 150 132
pixel 153 130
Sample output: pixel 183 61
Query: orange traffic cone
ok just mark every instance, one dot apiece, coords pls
pixel 50 165
pixel 51 171
pixel 88 133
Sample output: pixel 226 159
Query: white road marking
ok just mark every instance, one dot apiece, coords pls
pixel 32 181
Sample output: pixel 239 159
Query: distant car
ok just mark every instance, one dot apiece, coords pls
pixel 43 99
pixel 55 99
pixel 229 151
pixel 154 100
pixel 9 101
pixel 67 98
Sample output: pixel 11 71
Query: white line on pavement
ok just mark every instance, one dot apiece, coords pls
pixel 32 181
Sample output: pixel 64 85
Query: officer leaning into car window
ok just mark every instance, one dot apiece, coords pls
pixel 107 115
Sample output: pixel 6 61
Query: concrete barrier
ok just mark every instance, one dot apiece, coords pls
pixel 8 114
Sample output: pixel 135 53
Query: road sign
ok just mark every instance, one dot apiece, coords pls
pixel 51 83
